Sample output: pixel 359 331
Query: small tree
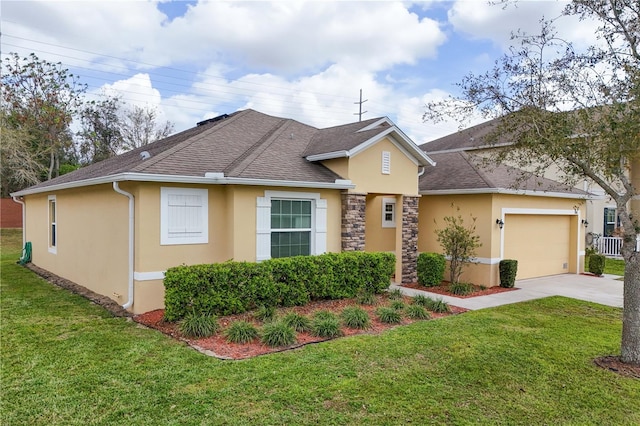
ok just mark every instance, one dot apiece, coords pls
pixel 459 243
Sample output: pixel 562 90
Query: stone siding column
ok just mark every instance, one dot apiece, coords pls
pixel 353 219
pixel 409 239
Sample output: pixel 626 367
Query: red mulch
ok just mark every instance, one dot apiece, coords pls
pixel 217 345
pixel 443 289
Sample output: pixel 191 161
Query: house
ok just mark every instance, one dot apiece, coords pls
pixel 248 186
pixel 244 186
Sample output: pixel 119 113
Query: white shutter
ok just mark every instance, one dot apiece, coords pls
pixel 184 216
pixel 321 226
pixel 263 228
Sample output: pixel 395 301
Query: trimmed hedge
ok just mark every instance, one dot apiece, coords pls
pixel 596 264
pixel 235 287
pixel 430 269
pixel 508 270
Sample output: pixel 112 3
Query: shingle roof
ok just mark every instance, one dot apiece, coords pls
pixel 456 171
pixel 467 139
pixel 246 144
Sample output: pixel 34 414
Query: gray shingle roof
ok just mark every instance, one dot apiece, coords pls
pixel 246 144
pixel 467 139
pixel 455 171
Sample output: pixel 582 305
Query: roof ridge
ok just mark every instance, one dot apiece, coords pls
pixel 253 150
pixel 187 142
pixel 478 170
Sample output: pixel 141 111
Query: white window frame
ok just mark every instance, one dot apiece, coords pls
pixel 386 163
pixel 52 224
pixel 388 202
pixel 318 243
pixel 201 235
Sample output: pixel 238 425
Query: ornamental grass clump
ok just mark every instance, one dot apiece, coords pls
pixel 366 298
pixel 420 299
pixel 395 294
pixel 326 324
pixel 398 305
pixel 241 332
pixel 277 333
pixel 265 313
pixel 438 306
pixel 389 315
pixel 197 324
pixel 355 317
pixel 461 289
pixel 417 312
pixel 298 322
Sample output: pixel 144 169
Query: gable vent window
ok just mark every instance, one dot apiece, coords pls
pixel 386 163
pixel 183 216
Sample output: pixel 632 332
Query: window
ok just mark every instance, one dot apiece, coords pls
pixel 184 216
pixel 290 224
pixel 388 212
pixel 290 228
pixel 386 163
pixel 611 221
pixel 53 224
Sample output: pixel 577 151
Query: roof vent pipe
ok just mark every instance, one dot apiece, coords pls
pixel 145 155
pixel 116 188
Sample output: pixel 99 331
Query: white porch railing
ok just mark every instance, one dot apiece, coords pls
pixel 610 246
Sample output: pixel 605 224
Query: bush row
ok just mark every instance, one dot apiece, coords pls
pixel 235 287
pixel 430 268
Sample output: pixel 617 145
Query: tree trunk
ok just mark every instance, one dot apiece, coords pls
pixel 630 347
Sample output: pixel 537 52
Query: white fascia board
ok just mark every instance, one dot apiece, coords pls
pixel 406 145
pixel 145 177
pixel 507 192
pixel 468 149
pixel 328 156
pixel 375 124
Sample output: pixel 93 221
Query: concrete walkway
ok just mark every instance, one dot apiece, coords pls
pixel 605 290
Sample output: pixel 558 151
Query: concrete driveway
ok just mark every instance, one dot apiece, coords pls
pixel 605 290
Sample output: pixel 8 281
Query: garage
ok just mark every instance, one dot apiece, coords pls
pixel 540 243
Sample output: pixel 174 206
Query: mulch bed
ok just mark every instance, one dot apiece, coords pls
pixel 443 289
pixel 217 345
pixel 613 364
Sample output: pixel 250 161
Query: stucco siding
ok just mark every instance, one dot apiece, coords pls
pixel 378 238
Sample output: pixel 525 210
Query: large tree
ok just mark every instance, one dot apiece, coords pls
pixel 139 127
pixel 100 136
pixel 40 98
pixel 576 111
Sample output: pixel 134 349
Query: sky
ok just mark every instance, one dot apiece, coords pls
pixel 305 60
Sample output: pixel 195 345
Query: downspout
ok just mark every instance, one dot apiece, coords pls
pixel 24 220
pixel 421 172
pixel 116 188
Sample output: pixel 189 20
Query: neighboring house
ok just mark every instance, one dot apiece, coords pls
pixel 245 186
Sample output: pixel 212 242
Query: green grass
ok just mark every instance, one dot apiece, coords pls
pixel 65 361
pixel 611 266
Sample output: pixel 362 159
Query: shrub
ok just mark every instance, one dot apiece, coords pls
pixel 241 332
pixel 508 271
pixel 265 313
pixel 196 324
pixel 430 268
pixel 278 333
pixel 421 300
pixel 325 324
pixel 398 305
pixel 235 287
pixel 389 315
pixel 355 317
pixel 461 289
pixel 438 306
pixel 395 294
pixel 366 298
pixel 596 264
pixel 459 244
pixel 417 312
pixel 297 322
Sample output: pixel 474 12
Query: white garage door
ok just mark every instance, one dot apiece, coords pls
pixel 540 244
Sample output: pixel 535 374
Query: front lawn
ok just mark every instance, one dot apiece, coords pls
pixel 67 361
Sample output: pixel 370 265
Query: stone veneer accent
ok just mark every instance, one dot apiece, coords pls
pixel 409 239
pixel 353 211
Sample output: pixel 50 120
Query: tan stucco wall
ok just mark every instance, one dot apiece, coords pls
pixel 486 208
pixel 378 238
pixel 92 238
pixel 365 170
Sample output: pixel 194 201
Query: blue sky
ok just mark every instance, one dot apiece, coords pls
pixel 295 59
